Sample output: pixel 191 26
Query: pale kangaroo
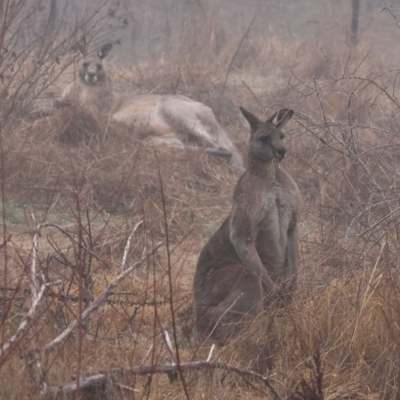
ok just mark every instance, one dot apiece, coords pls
pixel 169 119
pixel 252 259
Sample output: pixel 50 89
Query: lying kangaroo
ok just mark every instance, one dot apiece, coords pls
pixel 252 258
pixel 168 119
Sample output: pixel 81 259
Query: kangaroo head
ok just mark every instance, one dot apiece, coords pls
pixel 266 138
pixel 91 70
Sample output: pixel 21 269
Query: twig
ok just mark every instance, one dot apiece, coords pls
pixel 147 355
pixel 169 274
pixel 237 50
pixel 251 92
pixel 124 387
pixel 172 376
pixel 169 345
pixel 210 353
pixel 220 318
pixel 100 299
pixel 391 12
pixel 7 346
pixel 383 90
pixel 70 237
pixel 128 244
pixel 35 246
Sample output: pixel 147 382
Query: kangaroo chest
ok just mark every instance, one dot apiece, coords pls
pixel 276 204
pixel 277 214
pixel 96 99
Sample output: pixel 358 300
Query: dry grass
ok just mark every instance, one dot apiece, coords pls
pixel 93 178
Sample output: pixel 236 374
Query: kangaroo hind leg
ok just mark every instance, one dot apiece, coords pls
pixel 227 318
pixel 195 120
pixel 169 141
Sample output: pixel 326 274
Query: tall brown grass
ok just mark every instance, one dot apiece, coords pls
pixel 93 179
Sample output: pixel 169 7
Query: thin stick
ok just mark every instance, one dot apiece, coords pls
pixel 169 345
pixel 210 353
pixel 251 92
pixel 128 244
pixel 7 346
pixel 147 355
pixel 224 313
pixel 237 50
pixel 35 245
pixel 100 299
pixel 169 274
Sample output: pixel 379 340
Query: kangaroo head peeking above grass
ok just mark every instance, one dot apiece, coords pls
pixel 161 119
pixel 252 259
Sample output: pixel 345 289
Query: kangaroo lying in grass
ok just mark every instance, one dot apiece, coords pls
pixel 170 119
pixel 252 259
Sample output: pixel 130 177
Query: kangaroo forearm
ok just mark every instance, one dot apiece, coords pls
pixel 62 103
pixel 292 258
pixel 292 273
pixel 252 261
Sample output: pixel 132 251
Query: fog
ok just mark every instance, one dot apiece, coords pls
pixel 163 29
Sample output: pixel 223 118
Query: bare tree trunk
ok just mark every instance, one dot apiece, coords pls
pixel 49 33
pixel 3 28
pixel 51 22
pixel 131 15
pixel 354 21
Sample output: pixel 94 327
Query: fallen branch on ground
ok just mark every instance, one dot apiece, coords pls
pixel 100 378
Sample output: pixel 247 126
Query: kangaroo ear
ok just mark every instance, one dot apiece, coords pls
pixel 105 49
pixel 281 118
pixel 82 49
pixel 251 118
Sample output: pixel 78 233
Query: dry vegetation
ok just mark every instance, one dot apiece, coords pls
pixel 75 188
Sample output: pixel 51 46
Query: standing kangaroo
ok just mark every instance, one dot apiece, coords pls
pixel 252 258
pixel 169 119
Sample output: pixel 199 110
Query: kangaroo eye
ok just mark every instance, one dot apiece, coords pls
pixel 282 136
pixel 85 65
pixel 264 139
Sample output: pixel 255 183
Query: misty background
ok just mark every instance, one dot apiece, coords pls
pixel 154 30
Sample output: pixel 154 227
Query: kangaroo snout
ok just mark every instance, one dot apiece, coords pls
pixel 91 77
pixel 280 154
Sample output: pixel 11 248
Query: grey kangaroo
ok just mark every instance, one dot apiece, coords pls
pixel 171 119
pixel 252 259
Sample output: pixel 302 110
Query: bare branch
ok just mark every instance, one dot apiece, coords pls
pixel 35 246
pixel 169 345
pixel 210 353
pixel 238 48
pixel 100 299
pixel 163 369
pixel 24 325
pixel 128 244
